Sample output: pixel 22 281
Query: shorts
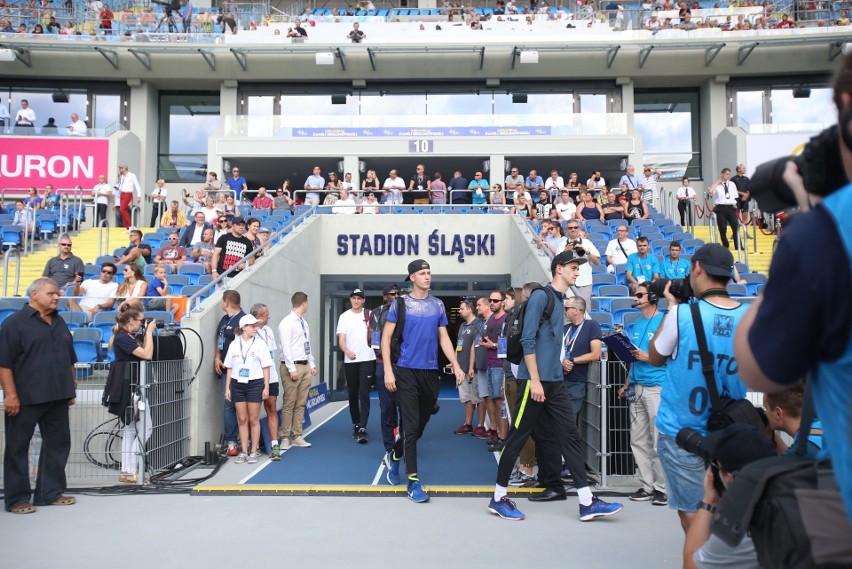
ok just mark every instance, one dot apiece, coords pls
pixel 490 382
pixel 273 388
pixel 251 392
pixel 684 474
pixel 468 391
pixel 156 304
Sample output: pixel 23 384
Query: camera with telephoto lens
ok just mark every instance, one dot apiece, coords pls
pixel 819 165
pixel 158 323
pixel 692 441
pixel 680 289
pixel 577 247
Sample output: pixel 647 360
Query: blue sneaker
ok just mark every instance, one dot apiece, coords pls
pixel 416 492
pixel 506 509
pixel 598 509
pixel 393 469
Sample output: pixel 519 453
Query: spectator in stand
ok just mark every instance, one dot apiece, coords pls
pixel 393 188
pixel 437 190
pixel 158 202
pixel 565 208
pixel 231 210
pixel 582 247
pixel 534 184
pixel 25 116
pixel 133 253
pixel 63 268
pixel 97 294
pixel 636 208
pixel 588 209
pixel 230 249
pixel 612 209
pixel 420 184
pixel 642 266
pixel 356 35
pixel 595 182
pixel 262 201
pixel 24 216
pixel 236 183
pixel 212 184
pixel 127 185
pixel 554 185
pixel 673 267
pixel 202 252
pixel 514 183
pixel 132 288
pixel 619 249
pixel 786 22
pixel 479 189
pixel 282 199
pixel 524 208
pixel 650 193
pixel 313 185
pixel 346 204
pixel 158 288
pixel 77 127
pixel 370 183
pixel 172 255
pixel 33 201
pixel 174 217
pixel 458 187
pixel 498 198
pixel 370 205
pixel 192 234
pixel 106 16
pixel 209 210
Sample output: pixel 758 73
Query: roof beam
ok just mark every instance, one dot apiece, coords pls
pixel 610 55
pixel 109 55
pixel 144 57
pixel 834 49
pixel 241 57
pixel 745 51
pixel 711 54
pixel 372 55
pixel 481 57
pixel 342 57
pixel 643 55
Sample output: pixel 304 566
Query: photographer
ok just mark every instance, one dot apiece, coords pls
pixel 123 378
pixel 731 449
pixel 685 402
pixel 774 349
pixel 582 247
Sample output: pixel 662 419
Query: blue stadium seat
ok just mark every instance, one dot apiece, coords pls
pixel 47 225
pixel 12 235
pixel 193 271
pixel 737 289
pixel 87 351
pixel 179 279
pixel 660 246
pixel 602 318
pixel 618 307
pixel 630 317
pixel 641 222
pixel 5 313
pixel 742 268
pixel 669 231
pixel 13 302
pixel 164 315
pixel 76 317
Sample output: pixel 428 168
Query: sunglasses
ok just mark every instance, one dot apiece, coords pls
pixel 640 294
pixel 572 227
pixel 65 244
pixel 107 273
pixel 223 221
pixel 495 300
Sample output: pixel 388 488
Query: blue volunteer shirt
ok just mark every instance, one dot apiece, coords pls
pixel 643 267
pixel 423 317
pixel 644 373
pixel 674 269
pixel 684 401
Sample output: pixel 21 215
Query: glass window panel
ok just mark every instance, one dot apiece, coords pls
pixel 261 105
pixel 669 124
pixel 393 105
pixel 41 102
pixel 749 107
pixel 316 105
pixel 818 108
pixel 107 110
pixel 593 103
pixel 537 104
pixel 186 124
pixel 459 103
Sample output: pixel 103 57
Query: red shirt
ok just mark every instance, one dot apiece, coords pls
pixel 264 202
pixel 106 19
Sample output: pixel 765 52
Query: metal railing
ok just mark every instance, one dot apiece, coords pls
pixel 96 435
pixel 103 237
pixel 11 252
pixel 135 214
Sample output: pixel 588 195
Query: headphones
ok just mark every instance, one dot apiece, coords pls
pixel 652 298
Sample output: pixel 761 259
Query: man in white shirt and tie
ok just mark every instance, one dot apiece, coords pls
pixel 725 196
pixel 297 369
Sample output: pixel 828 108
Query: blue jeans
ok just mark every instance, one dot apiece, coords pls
pixel 684 474
pixel 231 432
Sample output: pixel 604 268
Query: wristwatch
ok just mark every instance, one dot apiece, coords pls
pixel 702 505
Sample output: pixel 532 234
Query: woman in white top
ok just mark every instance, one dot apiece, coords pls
pixel 247 384
pixel 370 205
pixel 132 287
pixel 158 202
pixel 209 210
pixel 685 199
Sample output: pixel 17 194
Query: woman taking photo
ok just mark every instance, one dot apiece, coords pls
pixel 247 384
pixel 132 288
pixel 120 393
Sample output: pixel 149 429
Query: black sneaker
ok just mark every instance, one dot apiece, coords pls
pixel 660 498
pixel 641 496
pixel 496 446
pixel 362 436
pixel 355 432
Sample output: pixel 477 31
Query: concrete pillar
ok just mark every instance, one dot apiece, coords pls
pixel 350 164
pixel 143 114
pixel 628 102
pixel 714 120
pixel 498 169
pixel 229 108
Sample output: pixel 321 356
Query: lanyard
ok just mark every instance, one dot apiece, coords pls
pixel 245 355
pixel 226 324
pixel 304 330
pixel 571 339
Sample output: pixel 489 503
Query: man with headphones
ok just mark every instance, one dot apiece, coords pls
pixel 776 349
pixel 685 402
pixel 642 389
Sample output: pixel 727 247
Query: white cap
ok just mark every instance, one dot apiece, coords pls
pixel 247 320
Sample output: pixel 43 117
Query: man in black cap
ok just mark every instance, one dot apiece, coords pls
pixel 545 406
pixel 359 362
pixel 734 447
pixel 230 249
pixel 388 405
pixel 685 401
pixel 415 374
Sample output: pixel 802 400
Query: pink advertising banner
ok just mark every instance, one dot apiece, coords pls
pixel 64 163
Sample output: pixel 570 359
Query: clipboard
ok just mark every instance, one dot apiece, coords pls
pixel 621 345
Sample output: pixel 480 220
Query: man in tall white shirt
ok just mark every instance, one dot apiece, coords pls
pixel 650 192
pixel 314 184
pixel 554 185
pixel 77 127
pixel 725 195
pixel 619 249
pixel 393 187
pixel 359 363
pixel 270 404
pixel 297 369
pixel 127 185
pixel 101 194
pixel 25 115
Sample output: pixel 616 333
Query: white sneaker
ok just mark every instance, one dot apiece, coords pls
pixel 253 458
pixel 300 442
pixel 241 458
pixel 285 444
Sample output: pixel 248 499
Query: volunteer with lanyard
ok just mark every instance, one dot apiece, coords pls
pixel 225 334
pixel 725 196
pixel 270 403
pixel 581 345
pixel 247 384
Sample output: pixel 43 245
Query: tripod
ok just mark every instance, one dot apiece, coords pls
pixel 168 19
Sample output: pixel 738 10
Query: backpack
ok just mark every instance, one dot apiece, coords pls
pixel 513 327
pixel 378 318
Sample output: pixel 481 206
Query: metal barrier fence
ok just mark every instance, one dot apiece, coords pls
pixel 605 425
pixel 96 435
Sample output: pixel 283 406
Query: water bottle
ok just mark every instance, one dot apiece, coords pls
pixel 604 354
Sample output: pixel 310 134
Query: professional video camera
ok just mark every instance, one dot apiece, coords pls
pixel 170 5
pixel 819 165
pixel 680 289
